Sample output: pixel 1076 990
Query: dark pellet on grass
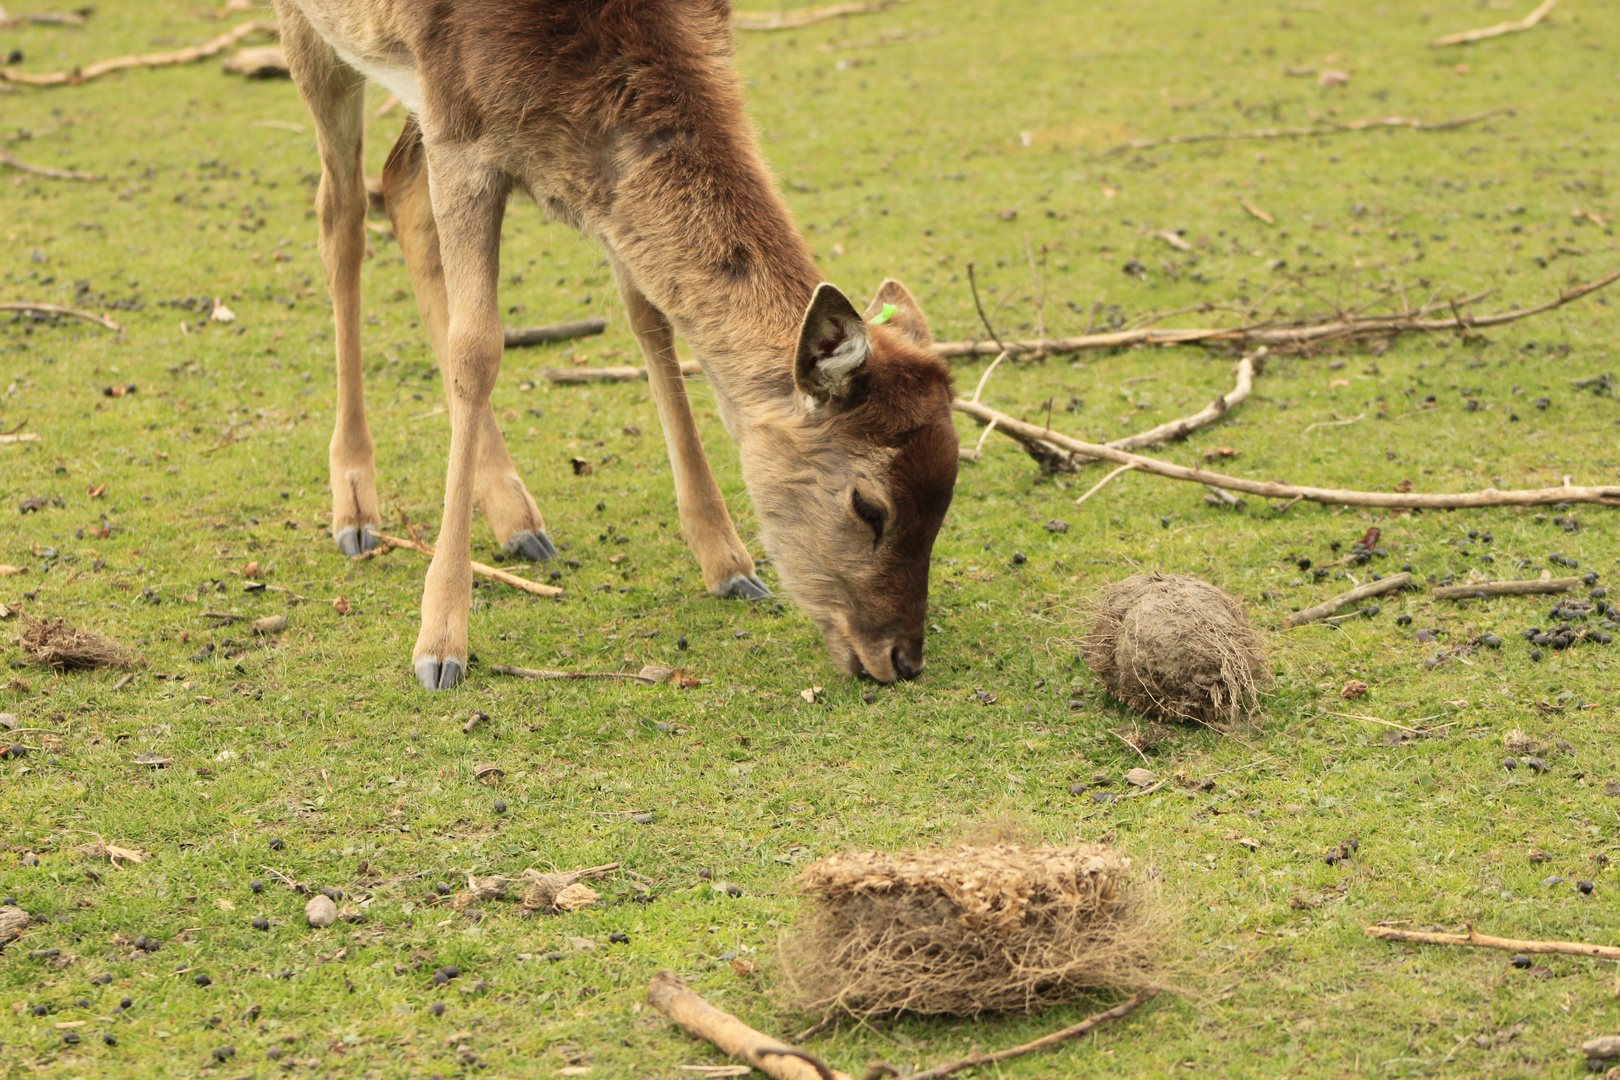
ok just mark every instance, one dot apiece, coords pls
pixel 1536 765
pixel 1510 763
pixel 110 1039
pixel 332 893
pixel 734 890
pixel 619 938
pixel 1019 558
pixel 204 980
pixel 125 1003
pixel 70 1037
pixel 224 1053
pixel 681 644
pixel 1403 620
pixel 442 889
pixel 553 957
pixel 82 1003
pixel 436 1009
pixel 274 1053
pixel 869 698
pixel 1490 641
pixel 257 885
pixel 39 1010
pixel 1585 886
pixel 449 971
pixel 261 923
pixel 1371 610
pixel 101 980
pixel 1535 656
pixel 500 806
pixel 1521 961
pixel 277 843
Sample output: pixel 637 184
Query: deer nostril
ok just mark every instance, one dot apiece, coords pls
pixel 902 663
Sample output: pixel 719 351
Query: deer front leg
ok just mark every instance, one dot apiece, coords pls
pixel 497 489
pixel 728 569
pixel 468 203
pixel 335 95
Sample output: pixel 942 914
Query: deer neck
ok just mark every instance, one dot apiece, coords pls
pixel 726 266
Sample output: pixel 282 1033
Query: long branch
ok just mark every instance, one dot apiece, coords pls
pixel 1486 941
pixel 1360 592
pixel 478 568
pixel 58 309
pixel 1607 496
pixel 1514 27
pixel 1271 334
pixel 1371 124
pixel 120 63
pixel 8 161
pixel 1045 1042
pixel 671 996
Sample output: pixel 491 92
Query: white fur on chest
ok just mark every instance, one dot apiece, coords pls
pixel 399 79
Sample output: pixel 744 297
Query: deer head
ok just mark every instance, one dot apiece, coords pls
pixel 852 482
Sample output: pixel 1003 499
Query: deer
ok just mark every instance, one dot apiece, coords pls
pixel 626 120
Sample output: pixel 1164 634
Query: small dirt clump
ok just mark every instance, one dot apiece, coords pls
pixel 1175 647
pixel 966 930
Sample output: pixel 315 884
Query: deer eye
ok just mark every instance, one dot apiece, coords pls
pixel 870 514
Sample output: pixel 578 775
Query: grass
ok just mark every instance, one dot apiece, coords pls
pixel 907 159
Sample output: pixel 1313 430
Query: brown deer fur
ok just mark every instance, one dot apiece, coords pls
pixel 624 118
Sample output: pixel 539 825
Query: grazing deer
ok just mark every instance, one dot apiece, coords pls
pixel 625 119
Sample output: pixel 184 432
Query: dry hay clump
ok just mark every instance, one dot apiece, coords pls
pixel 53 643
pixel 967 930
pixel 1176 647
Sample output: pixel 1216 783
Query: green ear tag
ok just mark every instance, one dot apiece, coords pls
pixel 886 315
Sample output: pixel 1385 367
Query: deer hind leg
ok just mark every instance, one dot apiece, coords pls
pixel 468 202
pixel 335 95
pixel 497 488
pixel 728 569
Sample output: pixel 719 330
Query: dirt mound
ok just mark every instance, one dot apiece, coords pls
pixel 1176 647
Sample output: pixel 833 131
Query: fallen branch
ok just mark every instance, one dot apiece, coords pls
pixel 7 161
pixel 1343 328
pixel 139 60
pixel 1310 130
pixel 1360 592
pixel 539 335
pixel 26 436
pixel 671 996
pixel 650 675
pixel 1486 941
pixel 1515 27
pixel 478 568
pixel 792 20
pixel 41 18
pixel 1046 1042
pixel 57 309
pixel 1024 432
pixel 1505 588
pixel 576 376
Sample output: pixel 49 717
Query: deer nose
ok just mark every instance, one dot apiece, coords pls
pixel 904 666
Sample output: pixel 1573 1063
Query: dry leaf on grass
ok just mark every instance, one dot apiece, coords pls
pixel 98 849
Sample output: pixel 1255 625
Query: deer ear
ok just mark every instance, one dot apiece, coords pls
pixel 833 346
pixel 904 313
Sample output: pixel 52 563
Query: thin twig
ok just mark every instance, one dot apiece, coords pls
pixel 1607 496
pixel 979 390
pixel 1391 723
pixel 541 673
pixel 140 60
pixel 792 20
pixel 1514 27
pixel 1333 423
pixel 973 284
pixel 478 568
pixel 1046 1042
pixel 1309 131
pixel 1486 941
pixel 1132 745
pixel 42 170
pixel 1098 485
pixel 58 309
pixel 1270 333
pixel 1223 403
pixel 1505 588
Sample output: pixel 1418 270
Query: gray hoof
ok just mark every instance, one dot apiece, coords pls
pixel 529 546
pixel 352 541
pixel 742 587
pixel 436 674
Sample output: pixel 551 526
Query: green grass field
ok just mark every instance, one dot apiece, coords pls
pixel 910 143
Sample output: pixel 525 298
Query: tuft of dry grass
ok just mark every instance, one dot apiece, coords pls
pixel 53 643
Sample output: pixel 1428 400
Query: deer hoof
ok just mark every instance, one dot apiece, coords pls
pixel 436 674
pixel 531 546
pixel 352 541
pixel 742 587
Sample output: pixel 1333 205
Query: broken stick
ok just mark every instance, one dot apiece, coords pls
pixel 46 171
pixel 121 63
pixel 1269 333
pixel 1486 941
pixel 671 996
pixel 1045 1042
pixel 1024 432
pixel 1513 27
pixel 478 568
pixel 792 20
pixel 1372 124
pixel 576 376
pixel 647 676
pixel 539 335
pixel 1360 592
pixel 1505 588
pixel 58 309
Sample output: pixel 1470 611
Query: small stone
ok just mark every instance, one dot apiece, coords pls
pixel 320 911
